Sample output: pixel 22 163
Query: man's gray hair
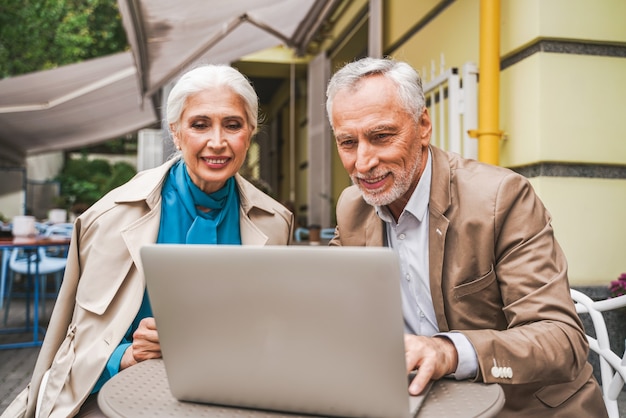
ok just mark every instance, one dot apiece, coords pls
pixel 402 74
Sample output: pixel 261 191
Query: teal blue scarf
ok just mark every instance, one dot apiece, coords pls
pixel 183 223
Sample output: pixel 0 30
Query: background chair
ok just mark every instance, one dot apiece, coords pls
pixel 302 234
pixel 327 233
pixel 612 365
pixel 21 260
pixel 59 230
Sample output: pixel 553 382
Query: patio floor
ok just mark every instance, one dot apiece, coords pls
pixel 16 365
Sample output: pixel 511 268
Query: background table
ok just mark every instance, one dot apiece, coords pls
pixel 30 244
pixel 142 391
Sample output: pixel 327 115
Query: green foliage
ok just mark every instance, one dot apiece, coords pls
pixel 121 173
pixel 37 35
pixel 85 181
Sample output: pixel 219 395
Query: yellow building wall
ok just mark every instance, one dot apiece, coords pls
pixel 588 219
pixel 526 20
pixel 404 14
pixel 453 35
pixel 520 112
pixel 563 107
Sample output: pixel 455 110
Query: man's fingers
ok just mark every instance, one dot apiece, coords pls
pixel 422 377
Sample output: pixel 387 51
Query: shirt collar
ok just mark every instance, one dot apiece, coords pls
pixel 418 202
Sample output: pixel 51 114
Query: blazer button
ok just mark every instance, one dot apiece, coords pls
pixel 502 372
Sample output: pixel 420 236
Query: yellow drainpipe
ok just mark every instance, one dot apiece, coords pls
pixel 488 132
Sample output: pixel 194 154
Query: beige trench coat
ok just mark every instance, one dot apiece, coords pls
pixel 104 285
pixel 498 276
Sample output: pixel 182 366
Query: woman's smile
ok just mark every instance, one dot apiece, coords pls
pixel 216 162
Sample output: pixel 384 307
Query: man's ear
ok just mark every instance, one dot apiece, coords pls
pixel 425 127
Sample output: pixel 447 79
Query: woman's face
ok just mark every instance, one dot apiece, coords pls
pixel 213 135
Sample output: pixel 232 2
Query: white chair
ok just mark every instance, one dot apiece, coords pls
pixel 612 365
pixel 59 230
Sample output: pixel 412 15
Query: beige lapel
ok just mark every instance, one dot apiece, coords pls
pixel 250 234
pixel 140 233
pixel 374 230
pixel 438 226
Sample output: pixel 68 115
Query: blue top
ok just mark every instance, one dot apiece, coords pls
pixel 182 223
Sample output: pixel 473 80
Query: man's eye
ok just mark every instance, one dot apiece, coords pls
pixel 347 143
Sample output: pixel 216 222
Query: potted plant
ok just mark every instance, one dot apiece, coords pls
pixel 618 287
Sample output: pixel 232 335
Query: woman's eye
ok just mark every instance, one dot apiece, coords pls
pixel 199 125
pixel 233 126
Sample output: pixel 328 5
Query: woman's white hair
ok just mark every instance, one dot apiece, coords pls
pixel 208 77
pixel 409 84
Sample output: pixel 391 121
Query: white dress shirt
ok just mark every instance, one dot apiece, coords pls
pixel 409 238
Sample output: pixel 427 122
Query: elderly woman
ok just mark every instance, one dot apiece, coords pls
pixel 102 321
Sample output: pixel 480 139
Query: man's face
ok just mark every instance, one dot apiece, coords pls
pixel 380 145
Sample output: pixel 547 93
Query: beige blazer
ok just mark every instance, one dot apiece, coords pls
pixel 104 285
pixel 498 276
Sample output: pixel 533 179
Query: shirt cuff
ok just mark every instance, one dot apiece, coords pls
pixel 467 367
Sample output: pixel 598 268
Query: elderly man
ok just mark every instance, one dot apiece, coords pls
pixel 484 282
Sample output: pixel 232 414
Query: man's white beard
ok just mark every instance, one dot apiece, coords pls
pixel 401 184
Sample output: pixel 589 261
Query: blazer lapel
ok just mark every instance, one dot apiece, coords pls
pixel 437 240
pixel 374 232
pixel 438 226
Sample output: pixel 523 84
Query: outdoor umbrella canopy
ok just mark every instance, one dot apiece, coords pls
pixel 70 106
pixel 104 98
pixel 167 37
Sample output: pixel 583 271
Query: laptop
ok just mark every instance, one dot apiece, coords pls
pixel 300 329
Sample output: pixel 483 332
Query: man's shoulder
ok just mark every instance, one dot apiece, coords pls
pixel 352 209
pixel 352 199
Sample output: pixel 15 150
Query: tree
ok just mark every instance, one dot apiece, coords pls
pixel 84 181
pixel 37 35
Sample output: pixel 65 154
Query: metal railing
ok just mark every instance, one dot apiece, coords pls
pixel 452 101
